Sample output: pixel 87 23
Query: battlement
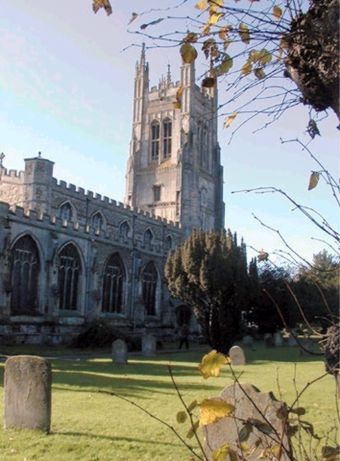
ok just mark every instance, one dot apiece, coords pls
pixel 55 223
pixel 81 194
pixel 15 174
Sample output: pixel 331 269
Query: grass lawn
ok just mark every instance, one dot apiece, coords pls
pixel 88 426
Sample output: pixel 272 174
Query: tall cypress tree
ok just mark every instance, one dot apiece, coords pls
pixel 209 272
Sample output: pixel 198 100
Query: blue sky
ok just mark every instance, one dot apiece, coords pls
pixel 66 90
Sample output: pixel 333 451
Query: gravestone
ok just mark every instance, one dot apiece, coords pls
pixel 248 341
pixel 291 341
pixel 27 388
pixel 148 346
pixel 119 352
pixel 278 341
pixel 268 340
pixel 250 404
pixel 237 356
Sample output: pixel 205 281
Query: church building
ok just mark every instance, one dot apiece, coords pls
pixel 68 256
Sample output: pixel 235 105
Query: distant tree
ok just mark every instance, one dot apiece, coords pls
pixel 317 288
pixel 263 311
pixel 209 272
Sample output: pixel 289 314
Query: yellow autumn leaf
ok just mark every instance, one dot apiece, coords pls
pixel 277 12
pixel 181 417
pixel 264 56
pixel 223 32
pixel 206 29
pixel 214 18
pixel 212 410
pixel 188 53
pixel 313 180
pixel 202 5
pixel 246 68
pixel 221 453
pixel 244 33
pixel 211 364
pixel 229 120
pixel 219 3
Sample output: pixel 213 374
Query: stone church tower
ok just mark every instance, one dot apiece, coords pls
pixel 174 168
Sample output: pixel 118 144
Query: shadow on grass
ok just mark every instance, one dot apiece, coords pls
pixel 113 439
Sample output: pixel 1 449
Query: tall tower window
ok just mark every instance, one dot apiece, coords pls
pixel 149 286
pixel 154 141
pixel 156 193
pixel 25 277
pixel 69 271
pixel 113 286
pixel 167 135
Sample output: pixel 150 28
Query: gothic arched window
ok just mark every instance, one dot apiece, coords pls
pixel 148 237
pixel 113 285
pixel 25 270
pixel 97 222
pixel 69 272
pixel 124 230
pixel 66 212
pixel 168 243
pixel 155 133
pixel 149 287
pixel 167 136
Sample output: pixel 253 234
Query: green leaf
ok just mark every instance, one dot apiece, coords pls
pixel 245 432
pixel 192 405
pixel 181 417
pixel 263 427
pixel 188 53
pixel 298 411
pixel 224 67
pixel 244 33
pixel 192 431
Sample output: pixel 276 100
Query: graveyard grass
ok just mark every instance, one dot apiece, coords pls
pixel 89 426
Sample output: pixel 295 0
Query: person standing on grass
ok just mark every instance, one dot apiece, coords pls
pixel 184 336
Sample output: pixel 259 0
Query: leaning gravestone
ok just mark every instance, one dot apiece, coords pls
pixel 250 407
pixel 237 356
pixel 278 341
pixel 27 391
pixel 148 346
pixel 119 352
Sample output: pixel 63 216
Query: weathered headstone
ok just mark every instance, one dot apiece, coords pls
pixel 250 404
pixel 278 341
pixel 148 346
pixel 27 388
pixel 119 352
pixel 237 356
pixel 248 341
pixel 291 341
pixel 268 340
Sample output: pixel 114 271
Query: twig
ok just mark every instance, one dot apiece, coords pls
pixel 164 423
